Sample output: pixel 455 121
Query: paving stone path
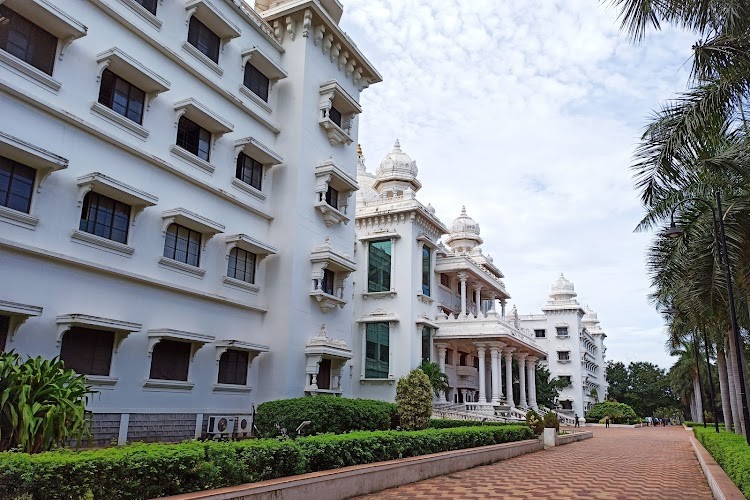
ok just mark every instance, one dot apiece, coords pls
pixel 617 463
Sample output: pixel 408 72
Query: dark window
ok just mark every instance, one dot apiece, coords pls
pixel 376 350
pixel 379 266
pixel 426 343
pixel 170 360
pixel 562 331
pixel 566 405
pixel 194 138
pixel 121 96
pixel 445 280
pixel 16 185
pixel 183 245
pixel 233 367
pixel 448 357
pixel 563 355
pixel 87 351
pixel 249 171
pixel 149 5
pixel 426 270
pixel 475 362
pixel 566 379
pixel 4 330
pixel 540 334
pixel 335 116
pixel 462 358
pixel 324 374
pixel 203 39
pixel 328 280
pixel 105 217
pixel 27 41
pixel 241 265
pixel 332 197
pixel 256 81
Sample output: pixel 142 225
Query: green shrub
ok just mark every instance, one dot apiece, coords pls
pixel 619 413
pixel 551 421
pixel 414 400
pixel 446 423
pixel 326 414
pixel 535 422
pixel 730 451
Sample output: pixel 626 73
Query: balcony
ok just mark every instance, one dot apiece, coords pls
pixel 467 371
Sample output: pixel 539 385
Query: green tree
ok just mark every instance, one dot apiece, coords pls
pixel 617 378
pixel 438 379
pixel 649 388
pixel 548 389
pixel 414 400
pixel 620 413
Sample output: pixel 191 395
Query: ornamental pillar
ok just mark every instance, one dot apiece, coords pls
pixel 482 388
pixel 441 364
pixel 478 299
pixel 463 277
pixel 502 308
pixel 495 371
pixel 508 354
pixel 531 375
pixel 521 358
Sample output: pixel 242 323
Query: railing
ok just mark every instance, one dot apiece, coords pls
pixel 483 408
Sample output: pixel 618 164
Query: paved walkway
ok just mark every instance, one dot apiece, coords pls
pixel 618 463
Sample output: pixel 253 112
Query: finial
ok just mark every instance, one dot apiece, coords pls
pixel 463 210
pixel 397 146
pixel 359 150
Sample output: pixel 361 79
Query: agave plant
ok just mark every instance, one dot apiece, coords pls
pixel 42 405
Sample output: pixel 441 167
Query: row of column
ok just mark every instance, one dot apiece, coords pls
pixel 477 288
pixel 526 371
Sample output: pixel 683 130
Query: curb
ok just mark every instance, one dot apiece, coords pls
pixel 721 486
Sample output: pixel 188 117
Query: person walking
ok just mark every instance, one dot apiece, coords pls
pixel 606 422
pixel 576 424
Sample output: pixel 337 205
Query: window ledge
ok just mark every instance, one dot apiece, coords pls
pixel 326 301
pixel 142 12
pixel 331 215
pixel 18 218
pixel 379 380
pixel 119 120
pixel 379 295
pixel 563 361
pixel 562 336
pixel 336 134
pixel 202 58
pixel 181 385
pixel 182 267
pixel 95 241
pixel 186 155
pixel 247 188
pixel 27 71
pixel 101 380
pixel 243 285
pixel 256 99
pixel 337 392
pixel 425 298
pixel 232 388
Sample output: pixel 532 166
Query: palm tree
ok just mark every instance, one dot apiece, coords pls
pixel 438 379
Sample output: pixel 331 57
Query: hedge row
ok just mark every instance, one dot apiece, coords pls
pixel 326 414
pixel 730 451
pixel 154 470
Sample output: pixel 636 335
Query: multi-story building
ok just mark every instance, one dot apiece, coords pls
pixel 574 342
pixel 175 184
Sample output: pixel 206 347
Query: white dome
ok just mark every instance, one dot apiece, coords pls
pixel 590 316
pixel 396 172
pixel 464 224
pixel 464 234
pixel 562 289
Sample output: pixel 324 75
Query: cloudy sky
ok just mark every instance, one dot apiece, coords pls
pixel 527 112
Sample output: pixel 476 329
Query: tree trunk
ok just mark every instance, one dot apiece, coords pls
pixel 692 408
pixel 698 399
pixel 734 386
pixel 721 367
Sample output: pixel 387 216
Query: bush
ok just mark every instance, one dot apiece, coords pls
pixel 153 470
pixel 327 414
pixel 730 451
pixel 619 413
pixel 551 421
pixel 535 422
pixel 414 400
pixel 446 423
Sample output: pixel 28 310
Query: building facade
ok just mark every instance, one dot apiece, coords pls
pixel 176 184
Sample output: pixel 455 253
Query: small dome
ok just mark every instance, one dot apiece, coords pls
pixel 562 289
pixel 397 171
pixel 464 224
pixel 464 234
pixel 590 316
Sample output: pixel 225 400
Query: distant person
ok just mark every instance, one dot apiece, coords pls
pixel 606 422
pixel 576 418
pixel 648 421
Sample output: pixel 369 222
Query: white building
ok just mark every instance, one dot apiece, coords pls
pixel 574 341
pixel 175 182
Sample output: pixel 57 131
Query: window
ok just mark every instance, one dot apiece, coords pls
pixel 27 41
pixel 241 265
pixel 566 405
pixel 335 116
pixel 379 266
pixel 566 379
pixel 121 96
pixel 462 358
pixel 233 367
pixel 376 350
pixel 203 39
pixel 426 270
pixel 256 81
pixel 87 351
pixel 183 245
pixel 445 280
pixel 149 5
pixel 540 334
pixel 476 362
pixel 332 197
pixel 563 355
pixel 105 217
pixel 328 280
pixel 426 344
pixel 448 357
pixel 562 331
pixel 16 185
pixel 249 171
pixel 4 328
pixel 170 360
pixel 194 138
pixel 324 374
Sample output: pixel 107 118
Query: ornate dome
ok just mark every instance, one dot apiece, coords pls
pixel 464 235
pixel 590 316
pixel 398 171
pixel 562 289
pixel 464 224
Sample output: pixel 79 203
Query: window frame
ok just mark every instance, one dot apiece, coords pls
pixel 332 197
pixel 90 226
pixel 379 285
pixel 183 134
pixel 328 282
pixel 171 366
pixel 426 344
pixel 132 95
pixel 426 270
pixel 558 329
pixel 565 358
pixel 379 368
pixel 543 331
pixel 104 340
pixel 256 82
pixel 37 34
pixel 14 165
pixel 191 232
pixel 154 3
pixel 196 28
pixel 239 372
pixel 247 253
pixel 255 167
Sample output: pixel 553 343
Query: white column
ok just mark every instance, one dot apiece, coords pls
pixel 508 354
pixel 441 364
pixel 531 375
pixel 495 373
pixel 500 369
pixel 521 358
pixel 502 308
pixel 482 368
pixel 463 277
pixel 478 299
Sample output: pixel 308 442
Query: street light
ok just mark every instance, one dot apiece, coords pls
pixel 674 232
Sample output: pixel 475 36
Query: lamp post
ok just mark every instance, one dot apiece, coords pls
pixel 674 232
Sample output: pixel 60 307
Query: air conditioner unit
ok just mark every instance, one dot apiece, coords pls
pixel 244 425
pixel 221 424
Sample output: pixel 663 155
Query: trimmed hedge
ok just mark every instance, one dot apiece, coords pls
pixel 326 414
pixel 619 413
pixel 153 470
pixel 730 451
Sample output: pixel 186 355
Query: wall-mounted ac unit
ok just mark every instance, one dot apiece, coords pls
pixel 244 425
pixel 221 424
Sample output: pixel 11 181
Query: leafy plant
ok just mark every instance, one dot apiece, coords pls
pixel 619 413
pixel 414 400
pixel 551 421
pixel 534 421
pixel 446 423
pixel 42 405
pixel 438 380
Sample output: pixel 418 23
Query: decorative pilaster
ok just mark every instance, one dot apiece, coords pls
pixel 531 371
pixel 463 277
pixel 441 362
pixel 508 355
pixel 502 308
pixel 495 370
pixel 482 368
pixel 521 359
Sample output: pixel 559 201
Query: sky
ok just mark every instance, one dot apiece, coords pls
pixel 528 113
